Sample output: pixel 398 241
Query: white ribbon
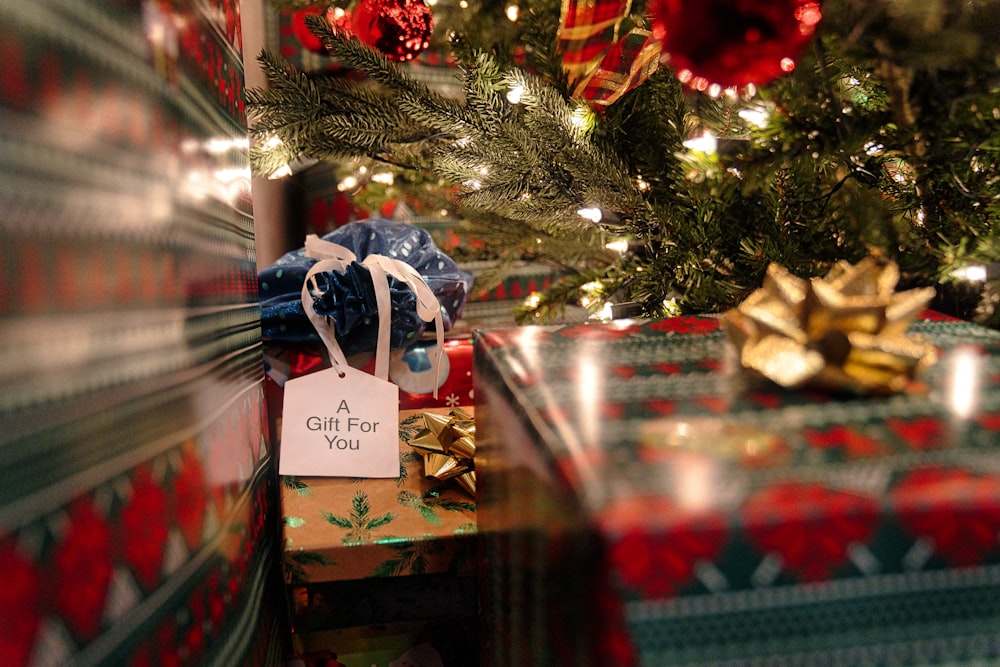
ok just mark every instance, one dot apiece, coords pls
pixel 334 257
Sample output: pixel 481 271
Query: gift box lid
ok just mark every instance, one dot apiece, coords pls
pixel 653 429
pixel 338 529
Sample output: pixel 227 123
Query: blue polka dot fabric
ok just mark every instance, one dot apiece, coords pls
pixel 349 297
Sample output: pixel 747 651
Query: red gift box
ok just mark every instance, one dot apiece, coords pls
pixel 642 500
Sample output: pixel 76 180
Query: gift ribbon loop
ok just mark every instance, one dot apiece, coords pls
pixel 334 257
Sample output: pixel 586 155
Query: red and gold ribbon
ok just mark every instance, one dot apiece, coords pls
pixel 602 64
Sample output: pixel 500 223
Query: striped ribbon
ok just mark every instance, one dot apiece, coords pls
pixel 602 64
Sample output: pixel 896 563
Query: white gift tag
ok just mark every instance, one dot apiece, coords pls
pixel 340 422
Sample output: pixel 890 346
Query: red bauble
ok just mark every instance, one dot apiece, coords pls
pixel 301 31
pixel 398 28
pixel 733 43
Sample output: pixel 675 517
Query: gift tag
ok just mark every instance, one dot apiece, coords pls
pixel 340 422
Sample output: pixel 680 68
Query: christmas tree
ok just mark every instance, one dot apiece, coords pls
pixel 654 158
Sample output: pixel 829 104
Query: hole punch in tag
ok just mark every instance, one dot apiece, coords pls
pixel 340 422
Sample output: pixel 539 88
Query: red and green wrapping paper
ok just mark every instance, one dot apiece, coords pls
pixel 644 501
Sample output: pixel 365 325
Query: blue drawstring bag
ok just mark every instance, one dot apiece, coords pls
pixel 348 298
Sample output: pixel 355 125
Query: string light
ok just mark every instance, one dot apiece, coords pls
pixel 757 116
pixel 972 272
pixel 582 118
pixel 593 214
pixel 513 12
pixel 272 142
pixel 591 293
pixel 514 94
pixel 620 246
pixel 348 183
pixel 706 143
pixel 280 172
pixel 605 314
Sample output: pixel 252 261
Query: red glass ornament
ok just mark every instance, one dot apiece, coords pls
pixel 398 28
pixel 733 43
pixel 301 31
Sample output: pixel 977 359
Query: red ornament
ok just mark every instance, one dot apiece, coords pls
pixel 398 28
pixel 733 43
pixel 301 31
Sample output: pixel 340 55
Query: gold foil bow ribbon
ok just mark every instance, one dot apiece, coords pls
pixel 448 445
pixel 845 331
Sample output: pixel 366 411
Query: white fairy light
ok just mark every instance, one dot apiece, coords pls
pixel 348 183
pixel 473 184
pixel 591 292
pixel 706 143
pixel 757 116
pixel 384 177
pixel 514 94
pixel 621 245
pixel 593 214
pixel 582 118
pixel 513 12
pixel 272 142
pixel 280 172
pixel 972 272
pixel 605 314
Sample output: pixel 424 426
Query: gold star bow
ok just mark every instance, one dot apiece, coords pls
pixel 846 331
pixel 448 444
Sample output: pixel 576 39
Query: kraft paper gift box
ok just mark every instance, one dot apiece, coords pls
pixel 370 551
pixel 642 500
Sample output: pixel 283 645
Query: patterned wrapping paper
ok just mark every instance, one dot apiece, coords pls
pixel 138 496
pixel 359 532
pixel 642 501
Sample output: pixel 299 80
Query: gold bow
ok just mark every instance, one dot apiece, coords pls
pixel 844 331
pixel 448 445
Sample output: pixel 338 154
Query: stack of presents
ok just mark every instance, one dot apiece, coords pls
pixel 685 491
pixel 642 492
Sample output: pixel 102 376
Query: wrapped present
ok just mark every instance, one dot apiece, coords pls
pixel 405 546
pixel 342 274
pixel 645 500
